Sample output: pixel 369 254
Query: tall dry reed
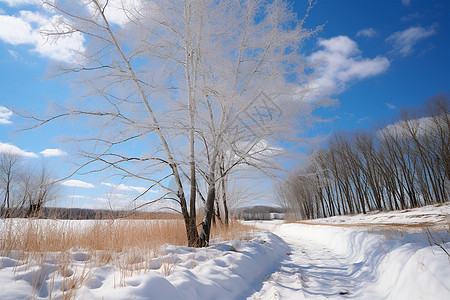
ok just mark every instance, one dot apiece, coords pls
pixel 113 236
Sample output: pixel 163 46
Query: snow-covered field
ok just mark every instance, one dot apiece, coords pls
pixel 436 217
pixel 305 260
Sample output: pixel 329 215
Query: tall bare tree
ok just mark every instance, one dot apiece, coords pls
pixel 10 171
pixel 167 74
pixel 38 187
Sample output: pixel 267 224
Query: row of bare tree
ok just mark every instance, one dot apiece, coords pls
pixel 24 189
pixel 399 166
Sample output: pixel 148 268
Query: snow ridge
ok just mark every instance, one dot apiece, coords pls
pixel 337 262
pixel 228 270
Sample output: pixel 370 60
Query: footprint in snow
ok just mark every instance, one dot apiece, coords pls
pixel 344 292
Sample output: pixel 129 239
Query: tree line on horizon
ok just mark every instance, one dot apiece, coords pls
pixel 398 166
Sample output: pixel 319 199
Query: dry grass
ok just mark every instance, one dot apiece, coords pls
pixel 234 231
pixel 116 236
pixel 30 235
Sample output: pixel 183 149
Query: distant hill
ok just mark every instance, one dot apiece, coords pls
pixel 260 212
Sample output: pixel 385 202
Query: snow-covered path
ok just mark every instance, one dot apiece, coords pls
pixel 337 263
pixel 312 270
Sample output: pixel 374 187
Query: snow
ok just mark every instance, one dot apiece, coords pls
pixel 334 263
pixel 434 216
pixel 321 259
pixel 223 271
pixel 227 270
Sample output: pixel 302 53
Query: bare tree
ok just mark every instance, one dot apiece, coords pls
pixel 38 188
pixel 167 74
pixel 24 189
pixel 10 171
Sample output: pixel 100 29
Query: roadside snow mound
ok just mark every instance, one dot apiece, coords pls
pixel 230 270
pixel 339 262
pixel 436 217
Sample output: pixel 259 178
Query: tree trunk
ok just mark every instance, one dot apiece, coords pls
pixel 225 208
pixel 224 195
pixel 209 210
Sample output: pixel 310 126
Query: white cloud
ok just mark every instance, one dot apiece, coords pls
pixel 124 202
pixel 262 150
pixel 404 41
pixel 118 11
pixel 160 206
pixel 116 199
pixel 113 201
pixel 13 53
pixel 411 17
pixel 363 119
pixel 77 183
pixel 340 44
pixel 5 115
pixel 15 31
pixel 79 197
pixel 406 2
pixel 17 3
pixel 26 29
pixel 8 148
pixel 367 32
pixel 123 187
pixel 420 126
pixel 53 152
pixel 340 63
pixel 390 106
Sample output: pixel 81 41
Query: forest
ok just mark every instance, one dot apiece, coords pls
pixel 398 166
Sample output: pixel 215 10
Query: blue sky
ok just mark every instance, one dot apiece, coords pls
pixel 375 56
pixel 414 36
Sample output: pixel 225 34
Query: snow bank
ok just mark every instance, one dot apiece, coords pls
pixel 371 265
pixel 436 215
pixel 230 270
